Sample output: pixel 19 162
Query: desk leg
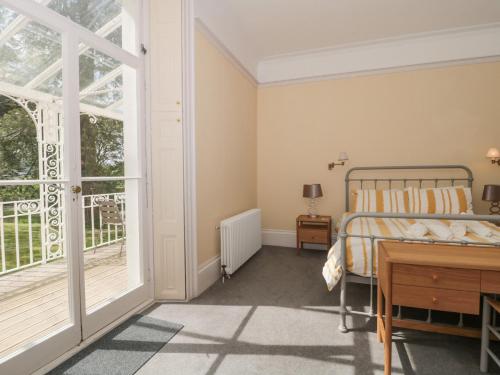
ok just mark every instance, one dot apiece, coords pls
pixel 388 322
pixel 379 311
pixel 485 335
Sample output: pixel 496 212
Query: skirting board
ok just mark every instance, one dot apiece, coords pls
pixel 208 274
pixel 287 238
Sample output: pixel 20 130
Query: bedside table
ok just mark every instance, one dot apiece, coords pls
pixel 316 230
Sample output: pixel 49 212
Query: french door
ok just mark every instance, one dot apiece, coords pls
pixel 112 199
pixel 78 240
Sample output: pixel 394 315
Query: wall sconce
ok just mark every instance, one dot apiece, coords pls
pixel 494 155
pixel 343 157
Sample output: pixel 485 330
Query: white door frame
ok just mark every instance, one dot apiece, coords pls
pixel 163 108
pixel 188 58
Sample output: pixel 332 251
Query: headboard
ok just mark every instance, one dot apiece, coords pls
pixel 405 180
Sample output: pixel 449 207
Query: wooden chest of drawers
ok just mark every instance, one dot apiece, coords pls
pixel 436 277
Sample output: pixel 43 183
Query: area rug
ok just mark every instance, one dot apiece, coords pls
pixel 122 351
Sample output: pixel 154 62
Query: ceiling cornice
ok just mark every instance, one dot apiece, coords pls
pixel 450 46
pixel 409 52
pixel 217 43
pixel 228 33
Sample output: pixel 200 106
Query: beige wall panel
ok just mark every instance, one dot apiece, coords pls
pixel 226 143
pixel 432 116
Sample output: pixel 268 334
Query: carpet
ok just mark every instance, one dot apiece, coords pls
pixel 122 351
pixel 275 316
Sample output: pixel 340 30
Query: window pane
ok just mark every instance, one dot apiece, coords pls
pixel 102 148
pixel 94 66
pixel 28 52
pixel 6 17
pixel 107 95
pixel 94 63
pixel 91 14
pixel 107 18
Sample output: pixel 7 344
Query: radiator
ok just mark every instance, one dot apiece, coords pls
pixel 241 237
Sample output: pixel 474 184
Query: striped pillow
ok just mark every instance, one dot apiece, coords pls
pixel 443 200
pixel 371 200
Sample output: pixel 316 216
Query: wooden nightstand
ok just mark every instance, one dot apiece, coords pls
pixel 316 230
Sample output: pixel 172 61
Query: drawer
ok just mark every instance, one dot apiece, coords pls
pixel 490 282
pixel 437 277
pixel 313 236
pixel 436 299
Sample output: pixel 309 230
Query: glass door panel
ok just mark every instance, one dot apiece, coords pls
pixel 36 300
pixel 110 169
pixel 70 227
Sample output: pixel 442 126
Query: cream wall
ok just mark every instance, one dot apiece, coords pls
pixel 226 143
pixel 438 116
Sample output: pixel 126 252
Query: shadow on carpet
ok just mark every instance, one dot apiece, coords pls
pixel 122 351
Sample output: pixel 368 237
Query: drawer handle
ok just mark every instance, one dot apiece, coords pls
pixel 434 277
pixel 434 300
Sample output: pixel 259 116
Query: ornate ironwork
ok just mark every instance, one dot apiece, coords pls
pixel 48 121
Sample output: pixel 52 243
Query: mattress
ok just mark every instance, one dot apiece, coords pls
pixel 359 255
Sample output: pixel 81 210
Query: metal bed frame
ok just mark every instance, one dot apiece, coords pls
pixel 343 234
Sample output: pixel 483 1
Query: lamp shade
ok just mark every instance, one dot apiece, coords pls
pixel 343 156
pixel 491 193
pixel 312 191
pixel 493 153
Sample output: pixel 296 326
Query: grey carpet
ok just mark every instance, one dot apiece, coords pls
pixel 275 316
pixel 122 351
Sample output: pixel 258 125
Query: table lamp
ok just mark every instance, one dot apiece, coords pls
pixel 491 193
pixel 312 192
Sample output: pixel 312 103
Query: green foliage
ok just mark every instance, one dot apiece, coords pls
pixel 102 153
pixel 101 150
pixel 18 142
pixel 18 150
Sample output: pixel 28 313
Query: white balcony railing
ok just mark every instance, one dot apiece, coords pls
pixel 21 232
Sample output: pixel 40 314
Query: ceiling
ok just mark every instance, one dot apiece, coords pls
pixel 256 30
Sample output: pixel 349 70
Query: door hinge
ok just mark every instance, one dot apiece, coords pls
pixel 143 49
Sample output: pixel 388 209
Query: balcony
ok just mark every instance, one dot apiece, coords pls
pixel 34 285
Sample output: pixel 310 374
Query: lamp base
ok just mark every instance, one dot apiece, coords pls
pixel 312 208
pixel 495 208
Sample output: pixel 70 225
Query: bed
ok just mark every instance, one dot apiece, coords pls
pixel 390 208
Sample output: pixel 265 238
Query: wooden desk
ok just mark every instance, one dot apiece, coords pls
pixel 436 277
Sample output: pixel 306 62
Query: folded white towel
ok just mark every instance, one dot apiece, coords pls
pixel 459 229
pixel 478 228
pixel 417 230
pixel 438 229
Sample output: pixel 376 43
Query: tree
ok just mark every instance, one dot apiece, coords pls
pixel 102 153
pixel 101 150
pixel 18 150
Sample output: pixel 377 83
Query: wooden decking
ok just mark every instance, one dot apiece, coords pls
pixel 34 301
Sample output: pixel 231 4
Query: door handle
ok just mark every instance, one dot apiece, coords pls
pixel 75 189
